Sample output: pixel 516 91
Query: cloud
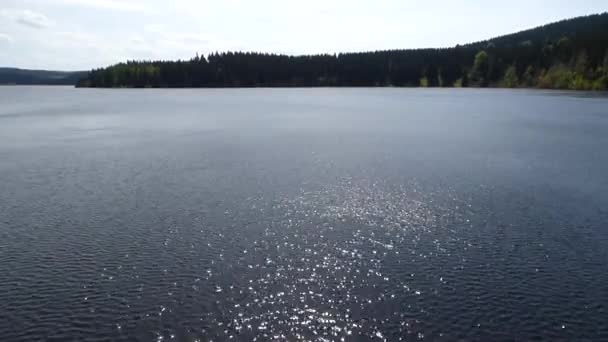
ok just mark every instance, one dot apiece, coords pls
pixel 154 28
pixel 137 40
pixel 159 35
pixel 28 18
pixel 5 38
pixel 116 5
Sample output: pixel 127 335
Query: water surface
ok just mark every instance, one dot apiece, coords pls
pixel 314 214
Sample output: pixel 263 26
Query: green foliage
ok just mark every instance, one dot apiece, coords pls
pixel 564 49
pixel 601 83
pixel 510 80
pixel 571 54
pixel 465 79
pixel 557 77
pixel 481 67
pixel 579 82
pixel 529 78
pixel 582 63
pixel 440 81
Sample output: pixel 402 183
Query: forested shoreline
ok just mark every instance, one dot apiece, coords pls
pixel 570 54
pixel 15 76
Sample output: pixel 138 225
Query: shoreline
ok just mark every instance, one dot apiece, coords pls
pixel 351 87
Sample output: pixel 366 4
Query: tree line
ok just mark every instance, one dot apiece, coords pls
pixel 31 77
pixel 570 54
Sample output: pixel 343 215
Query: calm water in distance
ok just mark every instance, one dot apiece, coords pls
pixel 314 214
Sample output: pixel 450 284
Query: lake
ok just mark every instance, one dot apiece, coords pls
pixel 313 214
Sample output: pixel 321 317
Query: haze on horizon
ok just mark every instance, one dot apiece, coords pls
pixel 85 34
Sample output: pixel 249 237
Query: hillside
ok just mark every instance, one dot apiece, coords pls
pixel 570 54
pixel 32 77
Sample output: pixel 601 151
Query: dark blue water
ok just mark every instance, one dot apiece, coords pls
pixel 312 214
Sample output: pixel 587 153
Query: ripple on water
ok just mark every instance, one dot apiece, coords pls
pixel 330 265
pixel 348 261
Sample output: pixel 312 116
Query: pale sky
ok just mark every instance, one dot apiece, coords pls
pixel 83 34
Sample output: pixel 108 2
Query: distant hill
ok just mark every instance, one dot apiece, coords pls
pixel 42 77
pixel 570 54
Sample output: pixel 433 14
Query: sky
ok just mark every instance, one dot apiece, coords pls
pixel 85 34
